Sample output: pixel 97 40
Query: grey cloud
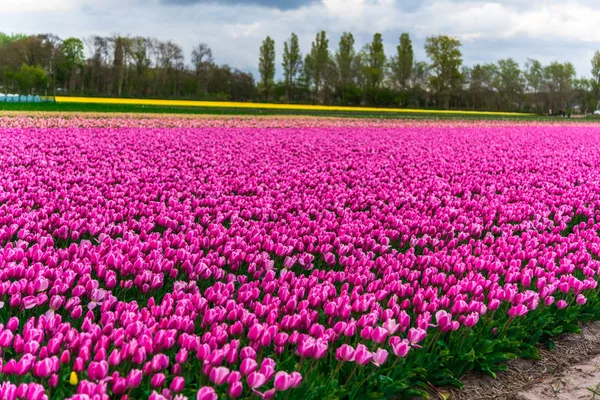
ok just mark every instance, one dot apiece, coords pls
pixel 275 4
pixel 409 5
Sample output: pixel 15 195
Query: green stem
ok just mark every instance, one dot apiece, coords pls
pixel 335 373
pixel 361 384
pixel 352 374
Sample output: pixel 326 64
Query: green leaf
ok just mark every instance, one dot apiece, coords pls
pixel 488 371
pixel 385 379
pixel 470 356
pixel 415 394
pixel 571 328
pixel 529 351
pixel 485 347
pixel 395 389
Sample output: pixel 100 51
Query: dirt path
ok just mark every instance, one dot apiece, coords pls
pixel 581 381
pixel 567 373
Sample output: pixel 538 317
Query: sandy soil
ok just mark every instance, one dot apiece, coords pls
pixel 581 381
pixel 570 372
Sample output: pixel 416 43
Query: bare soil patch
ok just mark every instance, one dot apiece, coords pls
pixel 570 372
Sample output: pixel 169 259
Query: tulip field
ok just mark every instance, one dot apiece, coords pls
pixel 287 258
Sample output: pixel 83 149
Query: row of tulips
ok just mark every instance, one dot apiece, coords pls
pixel 152 121
pixel 335 262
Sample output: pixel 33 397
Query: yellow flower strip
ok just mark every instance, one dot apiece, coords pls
pixel 269 106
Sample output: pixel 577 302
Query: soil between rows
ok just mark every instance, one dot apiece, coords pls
pixel 570 372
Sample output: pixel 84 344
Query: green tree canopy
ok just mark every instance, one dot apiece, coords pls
pixel 401 64
pixel 509 83
pixel 30 77
pixel 344 59
pixel 292 64
pixel 446 59
pixel 318 60
pixel 266 65
pixel 374 57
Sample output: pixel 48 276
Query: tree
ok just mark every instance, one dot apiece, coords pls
pixel 266 65
pixel 292 64
pixel 121 53
pixel 73 58
pixel 374 55
pixel 330 81
pixel 584 93
pixel 534 75
pixel 509 83
pixel 534 81
pixel 99 80
pixel 6 39
pixel 319 60
pixel 30 77
pixel 596 67
pixel 169 66
pixel 202 58
pixel 401 64
pixel 140 53
pixel 559 83
pixel 344 59
pixel 595 82
pixel 481 85
pixel 446 59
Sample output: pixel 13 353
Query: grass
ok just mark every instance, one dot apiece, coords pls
pixel 209 108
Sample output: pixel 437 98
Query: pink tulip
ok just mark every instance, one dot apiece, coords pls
pixel 362 356
pixel 158 380
pixel 177 384
pixel 24 365
pixel 248 366
pixel 247 352
pixel 345 353
pixel 235 389
pixel 35 392
pixel 402 348
pixel 471 320
pixel 256 380
pixel 206 393
pixel 561 304
pixel 219 375
pixel 12 325
pixel 416 336
pixel 380 357
pixel 390 326
pixel 119 385
pixel 282 381
pixel 295 379
pixel 6 338
pixel 134 378
pixel 9 367
pixel 43 368
pixel 379 335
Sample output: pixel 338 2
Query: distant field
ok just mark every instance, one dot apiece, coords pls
pixel 266 106
pixel 112 105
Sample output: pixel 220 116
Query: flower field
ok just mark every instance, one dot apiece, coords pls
pixel 173 258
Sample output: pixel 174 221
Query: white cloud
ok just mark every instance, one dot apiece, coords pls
pixel 490 30
pixel 36 6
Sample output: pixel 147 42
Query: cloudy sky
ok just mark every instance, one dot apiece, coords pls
pixel 489 30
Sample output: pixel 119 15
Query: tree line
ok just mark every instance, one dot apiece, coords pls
pixel 125 66
pixel 118 66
